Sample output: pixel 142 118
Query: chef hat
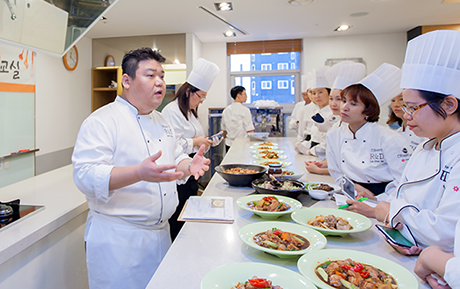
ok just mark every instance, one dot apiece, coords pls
pixel 432 63
pixel 203 74
pixel 318 78
pixel 345 73
pixel 305 83
pixel 384 82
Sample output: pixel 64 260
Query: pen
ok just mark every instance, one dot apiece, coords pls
pixel 347 205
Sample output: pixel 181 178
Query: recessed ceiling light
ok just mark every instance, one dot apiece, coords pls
pixel 359 14
pixel 229 34
pixel 223 6
pixel 300 2
pixel 343 27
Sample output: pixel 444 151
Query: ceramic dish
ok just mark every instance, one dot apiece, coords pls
pixel 260 157
pixel 293 193
pixel 316 239
pixel 308 263
pixel 266 162
pixel 357 221
pixel 267 143
pixel 240 180
pixel 261 151
pixel 243 203
pixel 311 185
pixel 294 177
pixel 318 194
pixel 228 276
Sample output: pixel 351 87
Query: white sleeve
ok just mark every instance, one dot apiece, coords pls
pixel 333 155
pixel 248 125
pixel 178 122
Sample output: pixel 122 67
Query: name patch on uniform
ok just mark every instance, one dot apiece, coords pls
pixel 168 131
pixel 445 172
pixel 376 156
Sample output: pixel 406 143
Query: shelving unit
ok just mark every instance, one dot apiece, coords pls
pixel 101 79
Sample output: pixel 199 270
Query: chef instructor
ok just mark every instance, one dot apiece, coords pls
pixel 126 162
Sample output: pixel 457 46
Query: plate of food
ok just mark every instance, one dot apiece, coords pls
pixel 333 222
pixel 288 188
pixel 266 144
pixel 338 268
pixel 269 156
pixel 282 239
pixel 266 163
pixel 330 188
pixel 291 175
pixel 240 175
pixel 268 206
pixel 238 275
pixel 264 151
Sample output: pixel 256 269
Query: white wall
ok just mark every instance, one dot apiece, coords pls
pixel 62 99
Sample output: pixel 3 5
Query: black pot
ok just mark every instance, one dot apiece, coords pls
pixel 287 193
pixel 242 180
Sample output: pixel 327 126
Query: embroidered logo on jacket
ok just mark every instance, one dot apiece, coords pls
pixel 168 131
pixel 376 156
pixel 445 173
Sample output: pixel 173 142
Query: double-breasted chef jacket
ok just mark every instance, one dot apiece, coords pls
pixel 451 270
pixel 295 115
pixel 237 121
pixel 129 223
pixel 319 131
pixel 305 121
pixel 411 138
pixel 184 129
pixel 375 154
pixel 427 200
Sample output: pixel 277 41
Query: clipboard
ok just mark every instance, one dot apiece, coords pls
pixel 180 219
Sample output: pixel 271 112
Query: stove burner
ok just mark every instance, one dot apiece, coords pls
pixel 5 211
pixel 19 211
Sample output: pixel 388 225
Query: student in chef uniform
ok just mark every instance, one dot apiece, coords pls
pixel 126 162
pixel 305 120
pixel 340 75
pixel 397 115
pixel 183 116
pixel 426 204
pixel 296 113
pixel 236 118
pixel 320 89
pixel 370 155
pixel 435 261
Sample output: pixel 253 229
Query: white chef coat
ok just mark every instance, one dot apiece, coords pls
pixel 452 268
pixel 427 200
pixel 237 121
pixel 411 138
pixel 305 121
pixel 319 131
pixel 295 115
pixel 376 155
pixel 184 129
pixel 116 135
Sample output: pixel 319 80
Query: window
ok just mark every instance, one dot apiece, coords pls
pixel 266 84
pixel 292 65
pixel 283 84
pixel 282 66
pixel 266 66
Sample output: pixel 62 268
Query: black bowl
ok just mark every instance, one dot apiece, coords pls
pixel 287 193
pixel 243 179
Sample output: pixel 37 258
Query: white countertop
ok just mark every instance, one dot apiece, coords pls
pixel 202 247
pixel 55 190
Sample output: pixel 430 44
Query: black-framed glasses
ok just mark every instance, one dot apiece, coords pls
pixel 411 110
pixel 201 98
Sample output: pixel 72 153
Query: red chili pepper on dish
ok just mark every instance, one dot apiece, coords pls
pixel 259 283
pixel 365 274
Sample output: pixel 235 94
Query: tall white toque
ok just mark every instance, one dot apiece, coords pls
pixel 432 63
pixel 318 78
pixel 304 83
pixel 203 74
pixel 384 82
pixel 345 73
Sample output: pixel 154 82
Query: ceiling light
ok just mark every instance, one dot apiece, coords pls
pixel 300 2
pixel 343 27
pixel 223 6
pixel 229 34
pixel 233 26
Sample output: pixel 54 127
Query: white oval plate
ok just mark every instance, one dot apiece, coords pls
pixel 273 144
pixel 259 157
pixel 265 162
pixel 255 151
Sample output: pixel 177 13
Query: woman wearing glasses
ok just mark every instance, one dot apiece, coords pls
pixel 182 114
pixel 370 155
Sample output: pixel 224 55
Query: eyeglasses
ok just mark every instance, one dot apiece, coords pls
pixel 411 110
pixel 201 98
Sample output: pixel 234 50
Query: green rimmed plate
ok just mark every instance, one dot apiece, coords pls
pixel 357 221
pixel 243 203
pixel 316 239
pixel 308 263
pixel 227 276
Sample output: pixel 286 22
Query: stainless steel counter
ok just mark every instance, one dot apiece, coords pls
pixel 202 247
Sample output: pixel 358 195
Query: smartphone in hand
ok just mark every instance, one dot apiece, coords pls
pixel 348 188
pixel 394 236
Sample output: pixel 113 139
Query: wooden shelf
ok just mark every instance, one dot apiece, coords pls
pixel 101 79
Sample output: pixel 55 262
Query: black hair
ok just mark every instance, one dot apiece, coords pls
pixel 236 90
pixel 132 58
pixel 435 100
pixel 183 98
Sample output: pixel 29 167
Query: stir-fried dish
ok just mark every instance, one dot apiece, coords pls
pixel 288 173
pixel 324 187
pixel 330 222
pixel 267 143
pixel 256 283
pixel 279 185
pixel 283 241
pixel 268 163
pixel 270 155
pixel 348 274
pixel 269 204
pixel 264 148
pixel 240 171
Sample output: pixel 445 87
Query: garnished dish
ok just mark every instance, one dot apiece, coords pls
pixel 246 201
pixel 277 185
pixel 267 143
pixel 348 274
pixel 283 241
pixel 256 282
pixel 330 222
pixel 288 173
pixel 240 171
pixel 319 186
pixel 270 155
pixel 268 204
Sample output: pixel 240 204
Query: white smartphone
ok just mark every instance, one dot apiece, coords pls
pixel 348 187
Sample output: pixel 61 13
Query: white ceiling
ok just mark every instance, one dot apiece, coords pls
pixel 272 19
